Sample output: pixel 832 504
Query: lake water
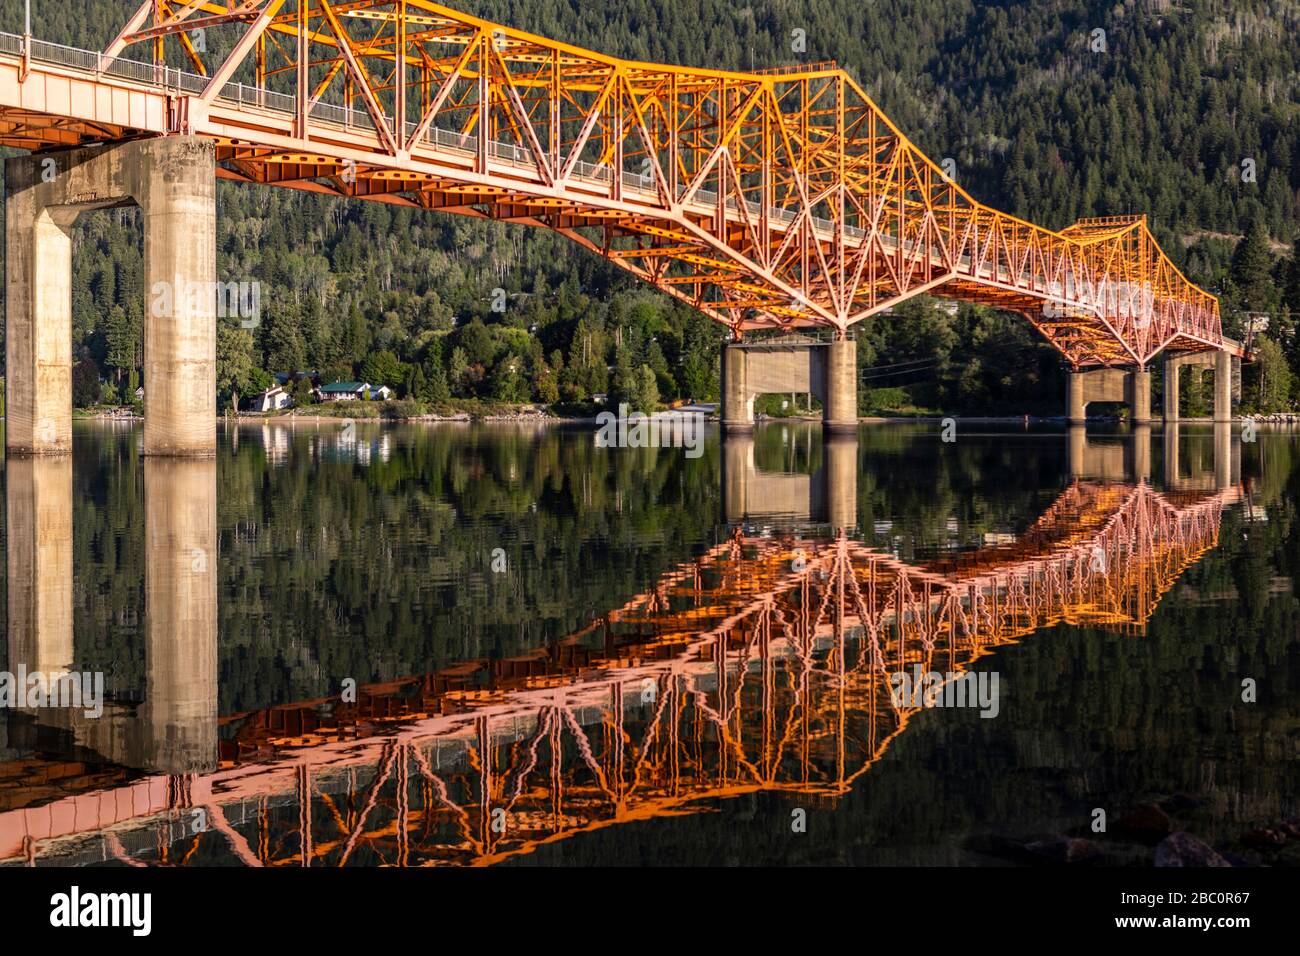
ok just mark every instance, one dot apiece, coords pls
pixel 456 644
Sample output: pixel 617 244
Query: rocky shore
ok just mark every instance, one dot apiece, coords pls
pixel 1162 833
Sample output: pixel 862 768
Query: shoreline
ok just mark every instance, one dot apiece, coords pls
pixel 547 419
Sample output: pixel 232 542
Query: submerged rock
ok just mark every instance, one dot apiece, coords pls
pixel 1064 850
pixel 1265 838
pixel 1183 849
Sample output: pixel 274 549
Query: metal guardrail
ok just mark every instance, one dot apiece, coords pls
pixel 43 51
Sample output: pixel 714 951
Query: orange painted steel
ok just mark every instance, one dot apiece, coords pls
pixel 773 199
pixel 765 665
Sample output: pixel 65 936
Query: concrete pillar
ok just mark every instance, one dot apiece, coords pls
pixel 38 320
pixel 841 402
pixel 841 468
pixel 1171 389
pixel 737 403
pixel 1142 453
pixel 1222 386
pixel 1222 447
pixel 737 466
pixel 1077 444
pixel 173 180
pixel 180 710
pixel 1139 382
pixel 1173 464
pixel 38 550
pixel 180 330
pixel 827 370
pixel 1075 407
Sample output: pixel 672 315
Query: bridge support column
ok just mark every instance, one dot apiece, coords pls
pixel 830 494
pixel 180 574
pixel 840 402
pixel 1131 386
pixel 737 401
pixel 1222 386
pixel 1171 389
pixel 841 467
pixel 1142 453
pixel 1139 386
pixel 38 546
pixel 1076 407
pixel 38 354
pixel 827 370
pixel 1172 457
pixel 173 180
pixel 1223 381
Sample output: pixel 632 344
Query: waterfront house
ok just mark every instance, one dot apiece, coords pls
pixel 272 399
pixel 344 391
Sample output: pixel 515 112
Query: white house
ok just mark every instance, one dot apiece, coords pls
pixel 381 393
pixel 273 398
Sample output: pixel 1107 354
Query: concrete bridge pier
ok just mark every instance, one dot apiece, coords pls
pixel 841 475
pixel 180 711
pixel 1132 386
pixel 1220 360
pixel 174 730
pixel 1224 471
pixel 827 370
pixel 38 552
pixel 1113 459
pixel 1172 454
pixel 173 181
pixel 830 494
pixel 1227 457
pixel 1142 453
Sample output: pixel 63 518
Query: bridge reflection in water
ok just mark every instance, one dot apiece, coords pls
pixel 762 665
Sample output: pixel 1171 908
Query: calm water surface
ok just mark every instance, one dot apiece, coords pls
pixel 474 644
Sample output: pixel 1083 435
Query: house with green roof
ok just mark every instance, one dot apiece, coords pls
pixel 344 391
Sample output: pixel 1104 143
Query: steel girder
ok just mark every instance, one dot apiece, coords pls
pixel 776 199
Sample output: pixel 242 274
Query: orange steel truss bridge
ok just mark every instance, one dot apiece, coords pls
pixel 762 666
pixel 767 200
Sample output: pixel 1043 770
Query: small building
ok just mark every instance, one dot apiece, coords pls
pixel 344 391
pixel 600 398
pixel 139 393
pixel 381 393
pixel 272 399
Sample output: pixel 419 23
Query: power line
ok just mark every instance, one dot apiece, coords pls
pixel 874 368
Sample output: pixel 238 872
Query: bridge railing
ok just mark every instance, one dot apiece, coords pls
pixel 43 51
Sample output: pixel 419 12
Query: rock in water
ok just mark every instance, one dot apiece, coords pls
pixel 1065 850
pixel 1183 849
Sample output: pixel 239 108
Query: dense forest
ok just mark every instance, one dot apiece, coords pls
pixel 1050 110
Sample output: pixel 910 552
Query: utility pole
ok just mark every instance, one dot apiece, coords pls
pixel 27 40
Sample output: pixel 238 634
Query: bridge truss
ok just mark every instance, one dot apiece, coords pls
pixel 779 199
pixel 763 666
